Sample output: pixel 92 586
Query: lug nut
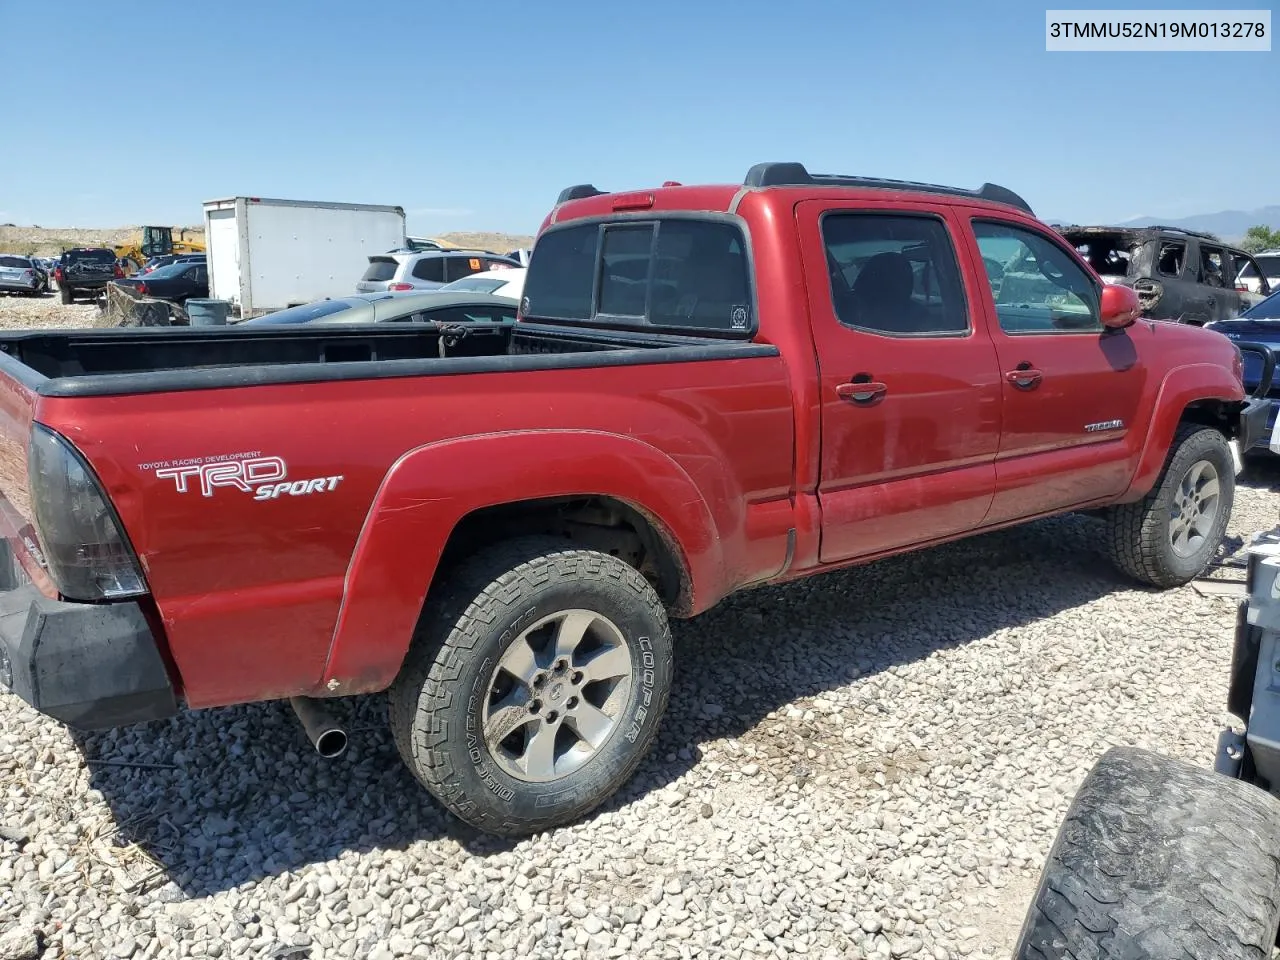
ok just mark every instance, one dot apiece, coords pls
pixel 577 677
pixel 571 703
pixel 552 717
pixel 535 705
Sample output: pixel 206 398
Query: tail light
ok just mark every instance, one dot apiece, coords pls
pixel 85 549
pixel 1237 365
pixel 117 272
pixel 399 287
pixel 142 289
pixel 57 274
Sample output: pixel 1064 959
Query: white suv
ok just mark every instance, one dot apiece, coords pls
pixel 1269 263
pixel 428 270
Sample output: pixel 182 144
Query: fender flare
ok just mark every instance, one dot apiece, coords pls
pixel 432 488
pixel 1181 386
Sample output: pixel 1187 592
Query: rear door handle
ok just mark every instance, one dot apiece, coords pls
pixel 863 394
pixel 1024 378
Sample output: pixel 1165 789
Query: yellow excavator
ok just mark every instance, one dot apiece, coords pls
pixel 157 242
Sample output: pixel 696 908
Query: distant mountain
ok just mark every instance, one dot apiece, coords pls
pixel 1227 224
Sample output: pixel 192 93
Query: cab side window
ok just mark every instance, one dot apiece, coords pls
pixel 894 274
pixel 1036 285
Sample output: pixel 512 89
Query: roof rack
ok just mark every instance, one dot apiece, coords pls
pixel 793 174
pixel 1191 233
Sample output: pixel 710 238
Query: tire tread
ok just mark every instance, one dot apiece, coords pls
pixel 1157 860
pixel 474 596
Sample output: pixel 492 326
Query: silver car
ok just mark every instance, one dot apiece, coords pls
pixel 19 275
pixel 397 308
pixel 428 270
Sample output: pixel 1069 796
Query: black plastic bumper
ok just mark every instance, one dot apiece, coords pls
pixel 91 666
pixel 1255 419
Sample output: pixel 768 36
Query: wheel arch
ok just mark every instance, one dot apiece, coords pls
pixel 1203 393
pixel 441 502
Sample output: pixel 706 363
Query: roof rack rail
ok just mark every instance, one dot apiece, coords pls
pixel 1191 233
pixel 793 174
pixel 579 191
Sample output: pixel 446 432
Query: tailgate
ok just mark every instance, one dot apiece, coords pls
pixel 21 554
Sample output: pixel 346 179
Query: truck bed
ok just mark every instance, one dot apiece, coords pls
pixel 84 363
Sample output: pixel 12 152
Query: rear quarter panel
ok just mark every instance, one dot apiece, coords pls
pixel 250 590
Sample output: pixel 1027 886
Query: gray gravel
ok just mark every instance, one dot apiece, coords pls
pixel 19 312
pixel 867 764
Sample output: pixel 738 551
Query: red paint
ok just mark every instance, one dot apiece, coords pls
pixel 755 470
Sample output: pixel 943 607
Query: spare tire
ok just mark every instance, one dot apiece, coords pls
pixel 1159 859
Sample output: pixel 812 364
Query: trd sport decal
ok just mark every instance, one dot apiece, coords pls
pixel 267 478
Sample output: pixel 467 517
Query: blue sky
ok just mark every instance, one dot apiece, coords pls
pixel 475 115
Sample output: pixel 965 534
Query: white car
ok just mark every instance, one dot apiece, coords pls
pixel 503 282
pixel 1269 263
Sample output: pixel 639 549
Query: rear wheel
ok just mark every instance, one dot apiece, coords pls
pixel 1156 860
pixel 1169 536
pixel 535 686
pixel 64 294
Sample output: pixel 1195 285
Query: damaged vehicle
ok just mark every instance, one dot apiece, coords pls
pixel 1179 275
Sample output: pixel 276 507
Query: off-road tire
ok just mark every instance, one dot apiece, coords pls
pixel 1159 860
pixel 436 702
pixel 64 294
pixel 1137 534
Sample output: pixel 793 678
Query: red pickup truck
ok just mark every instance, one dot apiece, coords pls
pixel 706 388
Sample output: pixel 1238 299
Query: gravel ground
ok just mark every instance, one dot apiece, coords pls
pixel 18 312
pixel 869 763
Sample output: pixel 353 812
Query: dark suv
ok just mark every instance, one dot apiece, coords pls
pixel 85 270
pixel 1178 274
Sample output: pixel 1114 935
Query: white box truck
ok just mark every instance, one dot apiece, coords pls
pixel 267 254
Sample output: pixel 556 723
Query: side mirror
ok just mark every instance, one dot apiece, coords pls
pixel 1120 306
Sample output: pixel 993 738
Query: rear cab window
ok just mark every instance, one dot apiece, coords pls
pixel 683 274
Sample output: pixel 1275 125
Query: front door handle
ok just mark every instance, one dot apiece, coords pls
pixel 863 394
pixel 1025 377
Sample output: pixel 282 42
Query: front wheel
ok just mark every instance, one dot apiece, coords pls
pixel 535 686
pixel 1168 537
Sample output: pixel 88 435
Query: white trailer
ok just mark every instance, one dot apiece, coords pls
pixel 266 254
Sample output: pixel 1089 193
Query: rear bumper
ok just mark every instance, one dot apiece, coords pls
pixel 1256 422
pixel 91 666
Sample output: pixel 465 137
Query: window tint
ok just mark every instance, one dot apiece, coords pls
pixel 700 277
pixel 1036 286
pixel 561 280
pixel 624 274
pixel 380 268
pixel 894 274
pixel 91 256
pixel 455 268
pixel 1211 271
pixel 680 273
pixel 14 262
pixel 1171 258
pixel 430 269
pixel 1270 266
pixel 1110 254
